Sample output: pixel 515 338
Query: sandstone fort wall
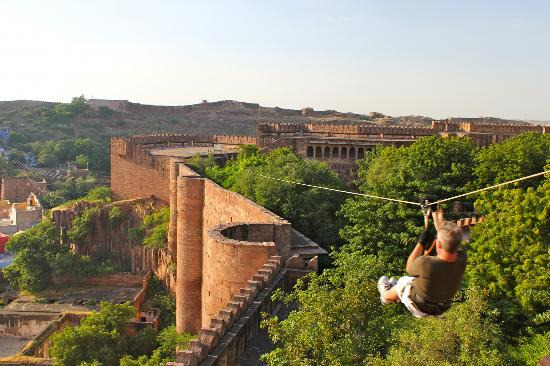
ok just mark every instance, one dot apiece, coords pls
pixel 18 189
pixel 227 263
pixel 137 173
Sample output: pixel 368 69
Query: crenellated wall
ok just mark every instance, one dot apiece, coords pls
pixel 137 173
pixel 227 333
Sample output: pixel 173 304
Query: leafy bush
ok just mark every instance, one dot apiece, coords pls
pixel 100 338
pixel 168 340
pixel 34 250
pixel 159 298
pixel 115 216
pixel 99 194
pixel 156 226
pixel 466 335
pixel 83 224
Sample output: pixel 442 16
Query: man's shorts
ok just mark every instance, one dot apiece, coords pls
pixel 403 289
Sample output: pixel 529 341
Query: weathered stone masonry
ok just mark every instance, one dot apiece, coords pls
pixel 223 243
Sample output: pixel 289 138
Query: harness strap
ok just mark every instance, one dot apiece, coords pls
pixel 427 252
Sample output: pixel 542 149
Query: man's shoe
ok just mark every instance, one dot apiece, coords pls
pixel 383 286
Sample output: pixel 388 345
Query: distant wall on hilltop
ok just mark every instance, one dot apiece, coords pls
pixel 121 106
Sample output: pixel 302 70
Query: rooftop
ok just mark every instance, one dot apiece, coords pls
pixel 190 151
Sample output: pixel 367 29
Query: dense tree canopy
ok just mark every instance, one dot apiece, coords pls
pixel 100 337
pixel 431 167
pixel 83 151
pixel 510 253
pixel 516 157
pixel 501 314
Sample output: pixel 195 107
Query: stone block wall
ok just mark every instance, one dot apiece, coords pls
pixel 211 264
pixel 18 189
pixel 106 240
pixel 137 173
pixel 228 263
pixel 227 333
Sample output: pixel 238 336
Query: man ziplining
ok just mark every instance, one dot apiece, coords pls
pixel 433 280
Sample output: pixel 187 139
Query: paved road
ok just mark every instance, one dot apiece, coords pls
pixel 5 260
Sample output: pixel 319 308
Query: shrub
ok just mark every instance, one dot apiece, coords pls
pixel 115 216
pixel 83 224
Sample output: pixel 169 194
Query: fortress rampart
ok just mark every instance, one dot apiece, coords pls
pixel 137 173
pixel 340 145
pixel 222 238
pixel 227 248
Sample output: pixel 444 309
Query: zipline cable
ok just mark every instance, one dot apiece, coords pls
pixel 403 201
pixel 341 191
pixel 491 187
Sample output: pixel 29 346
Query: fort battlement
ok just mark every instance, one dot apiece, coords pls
pixel 495 128
pixel 232 328
pixel 135 172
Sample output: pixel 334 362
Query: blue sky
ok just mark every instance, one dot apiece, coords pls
pixel 434 58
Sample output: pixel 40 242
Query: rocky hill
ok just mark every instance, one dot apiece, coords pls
pixel 100 119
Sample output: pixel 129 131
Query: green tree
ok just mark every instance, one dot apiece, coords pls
pixel 430 167
pixel 64 150
pixel 17 155
pixel 81 161
pixel 34 249
pixel 509 253
pixel 516 157
pixel 6 170
pixel 17 139
pixel 339 320
pixel 465 336
pixel 100 337
pixel 47 159
pixel 77 105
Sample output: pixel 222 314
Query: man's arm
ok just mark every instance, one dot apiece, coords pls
pixel 419 249
pixel 438 218
pixel 417 252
